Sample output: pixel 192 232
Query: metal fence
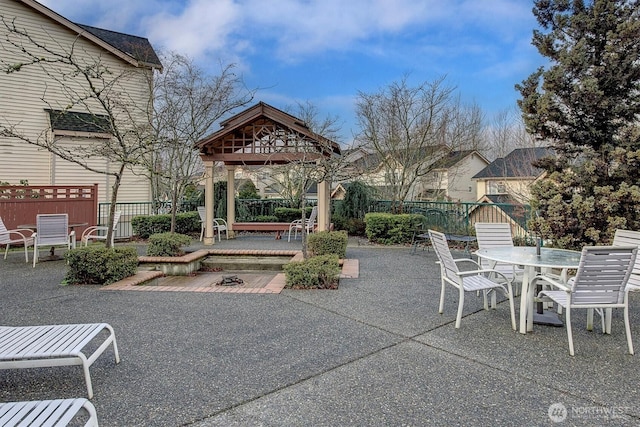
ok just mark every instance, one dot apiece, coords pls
pixel 449 217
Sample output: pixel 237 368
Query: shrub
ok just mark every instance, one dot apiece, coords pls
pixel 145 226
pixel 167 244
pixel 328 242
pixel 353 226
pixel 391 229
pixel 319 272
pixel 291 214
pixel 264 218
pixel 99 265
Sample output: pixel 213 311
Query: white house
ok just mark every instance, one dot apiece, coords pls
pixel 34 105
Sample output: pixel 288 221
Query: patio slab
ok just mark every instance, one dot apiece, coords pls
pixel 374 352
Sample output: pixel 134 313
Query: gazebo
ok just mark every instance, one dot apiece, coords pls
pixel 262 135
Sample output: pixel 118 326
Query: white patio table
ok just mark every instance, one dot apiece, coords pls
pixel 527 257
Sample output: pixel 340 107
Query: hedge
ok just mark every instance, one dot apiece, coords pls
pixel 391 229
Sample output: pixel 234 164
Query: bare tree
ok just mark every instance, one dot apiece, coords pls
pixel 187 103
pixel 411 128
pixel 84 86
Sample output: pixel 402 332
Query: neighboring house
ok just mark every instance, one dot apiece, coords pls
pixel 451 179
pixel 511 175
pixel 22 105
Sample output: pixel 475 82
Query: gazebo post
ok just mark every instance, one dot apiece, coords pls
pixel 209 238
pixel 323 205
pixel 231 199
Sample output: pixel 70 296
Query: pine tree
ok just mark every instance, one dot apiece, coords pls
pixel 586 105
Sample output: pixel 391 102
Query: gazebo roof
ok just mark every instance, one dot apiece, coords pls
pixel 262 135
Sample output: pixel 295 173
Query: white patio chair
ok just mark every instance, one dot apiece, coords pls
pixel 621 238
pixel 308 227
pixel 58 412
pixel 600 283
pixel 630 238
pixel 16 236
pixel 99 232
pixel 468 281
pixel 52 230
pixel 494 235
pixel 219 225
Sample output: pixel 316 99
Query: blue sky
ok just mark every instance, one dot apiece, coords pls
pixel 325 51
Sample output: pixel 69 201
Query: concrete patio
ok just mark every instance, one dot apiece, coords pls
pixel 375 352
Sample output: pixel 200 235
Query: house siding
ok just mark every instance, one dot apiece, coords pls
pixel 21 105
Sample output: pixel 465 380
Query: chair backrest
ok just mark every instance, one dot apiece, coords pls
pixel 4 236
pixel 493 234
pixel 632 238
pixel 203 213
pixel 52 229
pixel 448 267
pixel 602 274
pixel 116 218
pixel 314 215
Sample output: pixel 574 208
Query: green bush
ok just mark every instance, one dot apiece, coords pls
pixel 145 226
pixel 353 226
pixel 391 229
pixel 290 214
pixel 167 244
pixel 264 218
pixel 97 265
pixel 328 242
pixel 319 272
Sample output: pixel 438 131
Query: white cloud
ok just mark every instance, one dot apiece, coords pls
pixel 202 26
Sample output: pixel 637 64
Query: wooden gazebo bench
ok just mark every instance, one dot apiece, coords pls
pixel 277 227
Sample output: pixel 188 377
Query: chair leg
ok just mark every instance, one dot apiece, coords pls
pixel 460 306
pixel 35 255
pixel 7 251
pixel 441 308
pixel 627 328
pixel 201 232
pixel 26 253
pixel 590 320
pixel 607 314
pixel 512 308
pixel 569 331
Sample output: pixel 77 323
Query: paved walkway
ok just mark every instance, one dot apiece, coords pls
pixel 375 352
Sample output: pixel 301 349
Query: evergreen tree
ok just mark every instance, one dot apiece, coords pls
pixel 586 105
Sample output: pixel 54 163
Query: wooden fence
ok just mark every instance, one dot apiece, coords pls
pixel 19 204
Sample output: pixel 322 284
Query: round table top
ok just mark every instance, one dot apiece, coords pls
pixel 527 256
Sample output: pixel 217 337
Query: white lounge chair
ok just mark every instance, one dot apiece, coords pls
pixel 600 283
pixel 99 232
pixel 59 412
pixel 16 236
pixel 308 227
pixel 52 230
pixel 468 281
pixel 54 345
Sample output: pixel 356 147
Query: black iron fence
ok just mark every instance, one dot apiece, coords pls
pixel 449 217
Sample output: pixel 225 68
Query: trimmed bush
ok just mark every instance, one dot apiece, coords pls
pixel 167 244
pixel 391 229
pixel 328 242
pixel 145 226
pixel 264 218
pixel 99 265
pixel 291 214
pixel 319 272
pixel 353 226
